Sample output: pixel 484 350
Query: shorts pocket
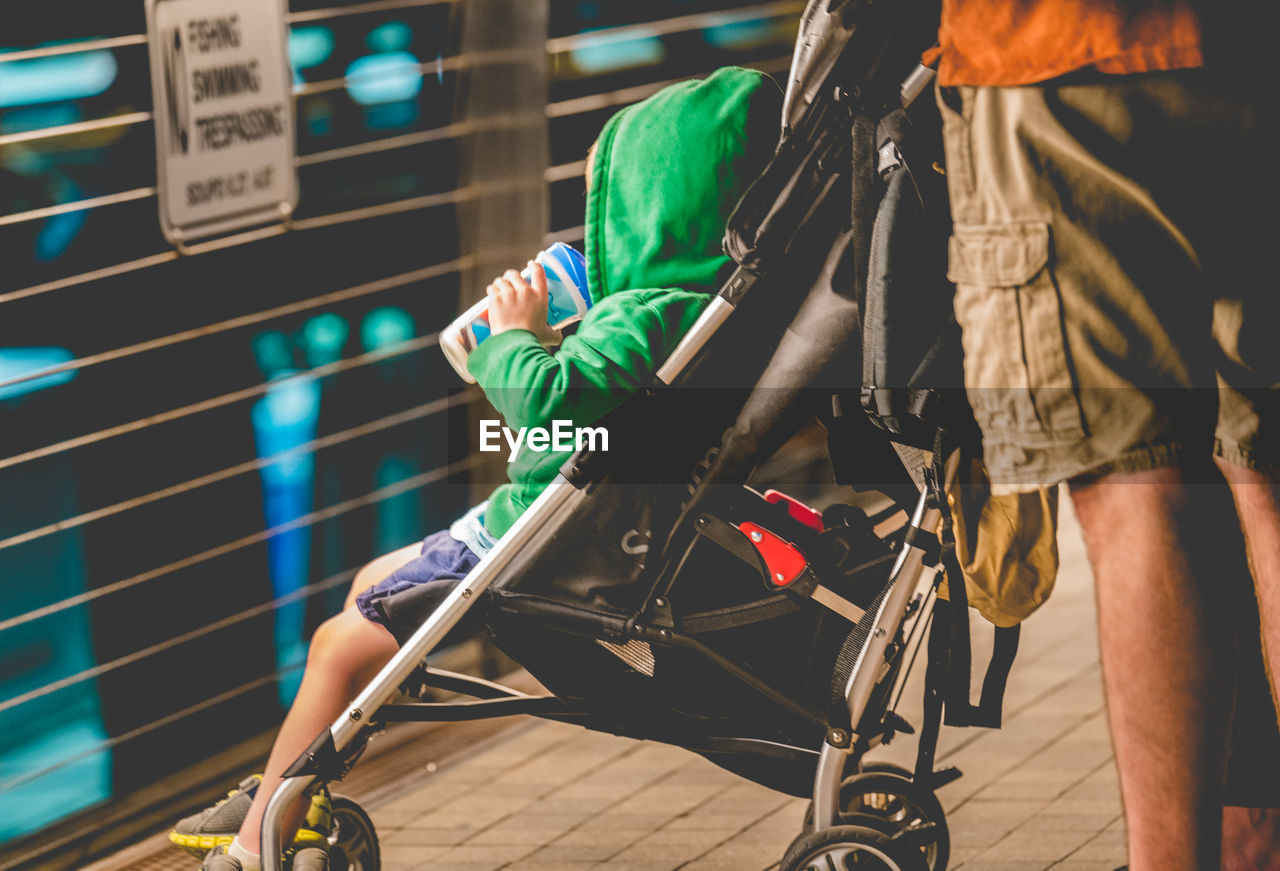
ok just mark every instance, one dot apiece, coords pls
pixel 1017 372
pixel 954 109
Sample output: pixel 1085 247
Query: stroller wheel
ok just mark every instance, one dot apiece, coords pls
pixel 353 842
pixel 850 848
pixel 883 797
pixel 912 810
pixel 870 767
pixel 886 768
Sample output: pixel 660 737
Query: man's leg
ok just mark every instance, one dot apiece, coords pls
pixel 1257 498
pixel 1251 816
pixel 1250 838
pixel 1166 644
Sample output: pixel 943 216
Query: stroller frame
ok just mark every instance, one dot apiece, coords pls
pixel 879 655
pixel 335 749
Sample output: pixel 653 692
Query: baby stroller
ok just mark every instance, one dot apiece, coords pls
pixel 656 595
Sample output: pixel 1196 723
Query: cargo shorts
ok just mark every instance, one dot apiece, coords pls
pixel 1113 252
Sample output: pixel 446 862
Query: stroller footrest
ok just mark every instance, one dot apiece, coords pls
pixel 425 678
pixel 484 709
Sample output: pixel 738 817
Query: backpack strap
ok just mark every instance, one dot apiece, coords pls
pixel 959 710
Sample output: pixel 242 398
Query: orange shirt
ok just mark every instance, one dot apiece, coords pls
pixel 1017 42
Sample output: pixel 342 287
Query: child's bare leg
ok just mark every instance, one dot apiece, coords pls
pixel 346 652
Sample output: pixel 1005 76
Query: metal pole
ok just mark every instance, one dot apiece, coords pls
pixel 507 154
pixel 904 580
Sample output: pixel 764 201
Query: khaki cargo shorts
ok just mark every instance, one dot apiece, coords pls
pixel 1115 257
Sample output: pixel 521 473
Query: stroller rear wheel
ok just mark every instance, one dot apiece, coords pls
pixel 850 848
pixel 353 842
pixel 911 814
pixel 913 810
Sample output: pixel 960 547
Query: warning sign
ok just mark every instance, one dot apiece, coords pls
pixel 223 109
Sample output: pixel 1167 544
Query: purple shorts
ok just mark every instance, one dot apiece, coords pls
pixel 404 598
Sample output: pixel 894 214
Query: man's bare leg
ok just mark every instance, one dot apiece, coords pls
pixel 1165 647
pixel 1251 836
pixel 1250 839
pixel 1257 498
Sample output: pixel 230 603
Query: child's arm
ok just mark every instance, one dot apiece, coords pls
pixel 615 350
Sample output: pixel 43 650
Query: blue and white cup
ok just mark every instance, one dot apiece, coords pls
pixel 567 301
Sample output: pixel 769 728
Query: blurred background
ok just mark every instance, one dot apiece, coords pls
pixel 198 450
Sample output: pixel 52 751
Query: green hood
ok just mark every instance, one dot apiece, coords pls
pixel 667 173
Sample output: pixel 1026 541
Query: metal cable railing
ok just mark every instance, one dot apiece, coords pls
pixel 310 303
pixel 556 173
pixel 466 397
pixel 679 24
pixel 403 486
pixel 298 595
pixel 126 119
pixel 561 109
pixel 457 130
pixel 301 17
pixel 623 96
pixel 310 447
pixel 320 372
pixel 311 16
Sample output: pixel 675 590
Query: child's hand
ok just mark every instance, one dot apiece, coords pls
pixel 515 304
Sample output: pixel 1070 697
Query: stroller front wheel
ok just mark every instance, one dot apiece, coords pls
pixel 851 848
pixel 353 842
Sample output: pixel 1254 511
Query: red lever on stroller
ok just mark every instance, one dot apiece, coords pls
pixel 797 509
pixel 789 569
pixel 785 561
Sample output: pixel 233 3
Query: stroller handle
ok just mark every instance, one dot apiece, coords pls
pixel 711 319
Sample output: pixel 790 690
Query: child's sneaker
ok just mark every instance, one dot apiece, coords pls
pixel 298 859
pixel 310 859
pixel 218 860
pixel 216 826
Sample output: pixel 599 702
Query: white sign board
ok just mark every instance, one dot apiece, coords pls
pixel 223 109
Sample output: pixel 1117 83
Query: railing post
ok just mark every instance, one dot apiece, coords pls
pixel 504 96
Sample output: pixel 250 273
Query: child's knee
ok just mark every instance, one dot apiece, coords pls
pixel 335 637
pixel 366 577
pixel 323 641
pixel 348 644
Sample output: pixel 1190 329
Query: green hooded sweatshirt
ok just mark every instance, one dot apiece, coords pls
pixel 667 173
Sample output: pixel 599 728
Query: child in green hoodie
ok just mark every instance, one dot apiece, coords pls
pixel 663 177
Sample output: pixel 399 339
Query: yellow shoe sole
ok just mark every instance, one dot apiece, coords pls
pixel 199 845
pixel 309 836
